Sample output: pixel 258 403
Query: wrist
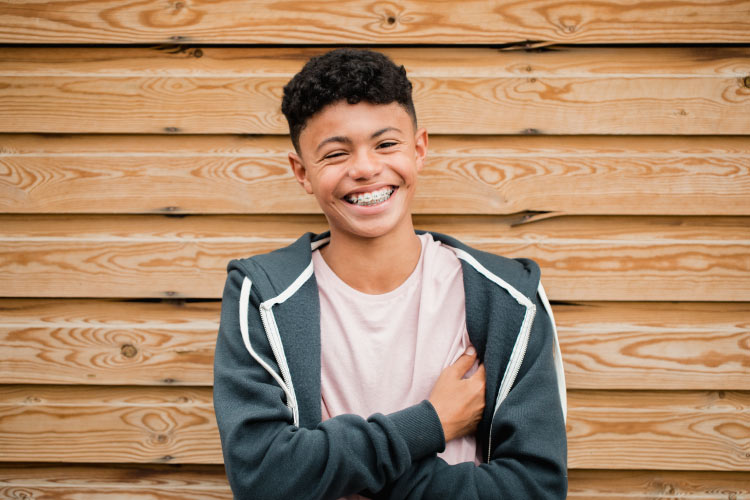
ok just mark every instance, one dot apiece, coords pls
pixel 420 427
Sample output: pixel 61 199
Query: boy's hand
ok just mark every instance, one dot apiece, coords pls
pixel 459 401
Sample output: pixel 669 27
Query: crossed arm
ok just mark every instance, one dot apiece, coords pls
pixel 529 451
pixel 390 456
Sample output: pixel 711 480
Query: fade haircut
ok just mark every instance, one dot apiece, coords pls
pixel 352 75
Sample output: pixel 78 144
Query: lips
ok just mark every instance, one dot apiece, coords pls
pixel 370 198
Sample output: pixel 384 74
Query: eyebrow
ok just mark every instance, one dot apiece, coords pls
pixel 346 140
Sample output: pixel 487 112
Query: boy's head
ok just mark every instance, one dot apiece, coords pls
pixel 358 149
pixel 351 75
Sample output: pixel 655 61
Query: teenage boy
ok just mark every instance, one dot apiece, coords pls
pixel 344 361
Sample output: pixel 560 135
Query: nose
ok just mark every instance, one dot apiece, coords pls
pixel 364 166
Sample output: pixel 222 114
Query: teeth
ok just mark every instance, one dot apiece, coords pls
pixel 372 198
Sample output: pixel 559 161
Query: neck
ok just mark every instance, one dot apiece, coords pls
pixel 373 265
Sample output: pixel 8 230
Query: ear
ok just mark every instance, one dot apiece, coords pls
pixel 420 147
pixel 300 172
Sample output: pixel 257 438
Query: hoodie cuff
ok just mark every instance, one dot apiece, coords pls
pixel 421 429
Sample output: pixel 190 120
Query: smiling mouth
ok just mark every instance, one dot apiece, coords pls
pixel 371 198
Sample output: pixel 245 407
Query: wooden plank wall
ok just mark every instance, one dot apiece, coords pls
pixel 142 146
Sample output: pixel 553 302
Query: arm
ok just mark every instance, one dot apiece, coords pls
pixel 266 456
pixel 528 456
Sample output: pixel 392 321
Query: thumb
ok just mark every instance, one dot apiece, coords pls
pixel 466 360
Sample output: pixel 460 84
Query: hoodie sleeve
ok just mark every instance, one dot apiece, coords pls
pixel 529 447
pixel 267 456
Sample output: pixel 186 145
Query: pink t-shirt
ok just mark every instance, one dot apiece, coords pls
pixel 382 353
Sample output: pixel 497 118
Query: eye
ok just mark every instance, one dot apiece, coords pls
pixel 387 144
pixel 333 155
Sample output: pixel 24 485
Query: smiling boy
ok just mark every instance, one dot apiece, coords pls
pixel 374 359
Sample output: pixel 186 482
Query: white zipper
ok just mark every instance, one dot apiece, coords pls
pixel 244 303
pixel 522 340
pixel 273 335
pixel 272 332
pixel 274 339
pixel 514 365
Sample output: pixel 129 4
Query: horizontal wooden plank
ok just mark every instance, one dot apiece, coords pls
pixel 108 342
pixel 582 258
pixel 366 22
pixel 108 424
pixel 678 430
pixel 567 91
pixel 169 482
pixel 463 175
pixel 676 346
pixel 605 345
pixel 651 485
pixel 420 62
pixel 32 481
pixel 606 430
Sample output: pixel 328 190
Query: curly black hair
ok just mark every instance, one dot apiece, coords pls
pixel 353 75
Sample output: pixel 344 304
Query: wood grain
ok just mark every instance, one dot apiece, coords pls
pixel 108 424
pixel 463 175
pixel 367 22
pixel 655 346
pixel 644 241
pixel 688 430
pixel 169 482
pixel 108 342
pixel 605 345
pixel 30 481
pixel 111 92
pixel 420 62
pixel 676 430
pixel 582 258
pixel 651 485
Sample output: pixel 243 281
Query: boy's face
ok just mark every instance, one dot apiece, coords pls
pixel 361 163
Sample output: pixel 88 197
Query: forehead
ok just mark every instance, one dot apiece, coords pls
pixel 354 120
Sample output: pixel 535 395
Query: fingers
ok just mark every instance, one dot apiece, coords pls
pixel 465 361
pixel 480 373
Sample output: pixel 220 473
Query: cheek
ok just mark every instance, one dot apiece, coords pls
pixel 409 172
pixel 326 186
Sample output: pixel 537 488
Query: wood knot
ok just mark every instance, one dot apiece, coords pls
pixel 128 350
pixel 391 20
pixel 161 438
pixel 746 81
pixel 197 53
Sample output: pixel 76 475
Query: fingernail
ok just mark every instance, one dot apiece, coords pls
pixel 471 351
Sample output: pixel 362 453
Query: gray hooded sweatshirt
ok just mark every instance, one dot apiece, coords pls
pixel 268 405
